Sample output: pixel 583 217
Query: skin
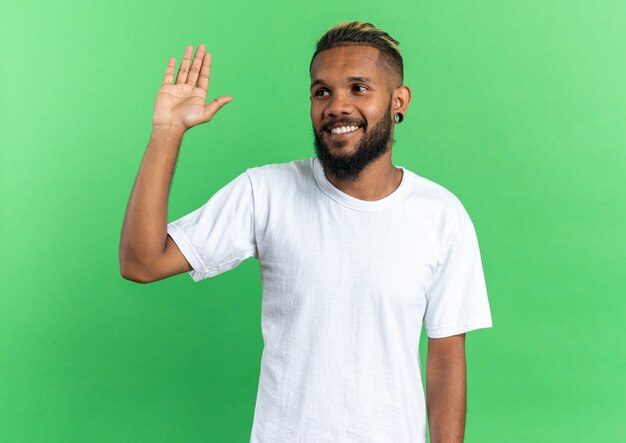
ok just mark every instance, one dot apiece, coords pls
pixel 335 96
pixel 370 147
pixel 351 83
pixel 446 389
pixel 148 254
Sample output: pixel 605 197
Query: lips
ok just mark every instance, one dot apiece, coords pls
pixel 342 125
pixel 342 134
pixel 344 129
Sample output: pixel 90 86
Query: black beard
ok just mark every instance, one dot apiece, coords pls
pixel 371 146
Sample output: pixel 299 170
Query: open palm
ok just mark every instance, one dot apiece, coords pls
pixel 183 104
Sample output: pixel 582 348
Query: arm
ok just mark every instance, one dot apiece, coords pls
pixel 147 253
pixel 446 389
pixel 145 246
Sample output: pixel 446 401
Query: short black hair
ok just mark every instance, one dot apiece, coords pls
pixel 358 32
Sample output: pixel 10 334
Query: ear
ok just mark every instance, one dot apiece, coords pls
pixel 401 99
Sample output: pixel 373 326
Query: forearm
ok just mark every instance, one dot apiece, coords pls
pixel 144 231
pixel 446 400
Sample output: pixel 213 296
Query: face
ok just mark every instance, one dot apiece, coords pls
pixel 351 102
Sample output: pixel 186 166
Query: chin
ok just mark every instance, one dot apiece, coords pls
pixel 344 151
pixel 343 146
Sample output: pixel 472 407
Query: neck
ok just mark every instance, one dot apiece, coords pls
pixel 379 179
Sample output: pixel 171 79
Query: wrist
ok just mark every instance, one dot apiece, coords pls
pixel 168 130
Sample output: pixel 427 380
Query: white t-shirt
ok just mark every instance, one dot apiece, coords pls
pixel 347 284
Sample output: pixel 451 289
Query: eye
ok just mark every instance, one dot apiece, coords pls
pixel 320 92
pixel 360 88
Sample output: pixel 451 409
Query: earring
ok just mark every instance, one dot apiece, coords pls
pixel 398 117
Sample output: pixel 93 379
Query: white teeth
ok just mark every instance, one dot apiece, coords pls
pixel 344 129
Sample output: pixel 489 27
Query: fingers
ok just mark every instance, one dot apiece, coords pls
pixel 195 67
pixel 215 106
pixel 169 72
pixel 205 72
pixel 184 65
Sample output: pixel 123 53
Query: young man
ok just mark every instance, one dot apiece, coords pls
pixel 355 253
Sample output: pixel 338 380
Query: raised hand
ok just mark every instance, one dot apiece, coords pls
pixel 182 105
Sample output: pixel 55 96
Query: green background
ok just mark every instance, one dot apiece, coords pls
pixel 519 108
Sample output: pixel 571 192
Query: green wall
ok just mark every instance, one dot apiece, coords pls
pixel 519 108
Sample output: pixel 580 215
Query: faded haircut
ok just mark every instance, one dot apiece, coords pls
pixel 358 32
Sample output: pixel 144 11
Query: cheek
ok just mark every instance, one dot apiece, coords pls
pixel 372 112
pixel 316 115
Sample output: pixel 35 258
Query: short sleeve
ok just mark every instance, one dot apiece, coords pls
pixel 457 301
pixel 219 235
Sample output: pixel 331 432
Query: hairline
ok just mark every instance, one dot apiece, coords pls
pixel 382 60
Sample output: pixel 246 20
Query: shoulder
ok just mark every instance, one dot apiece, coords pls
pixel 280 187
pixel 439 201
pixel 435 193
pixel 277 174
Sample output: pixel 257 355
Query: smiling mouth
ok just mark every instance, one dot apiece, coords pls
pixel 341 130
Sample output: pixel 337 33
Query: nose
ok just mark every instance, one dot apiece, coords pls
pixel 338 105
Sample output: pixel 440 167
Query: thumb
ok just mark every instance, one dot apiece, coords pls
pixel 212 107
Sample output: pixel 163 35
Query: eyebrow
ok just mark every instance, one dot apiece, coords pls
pixel 350 79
